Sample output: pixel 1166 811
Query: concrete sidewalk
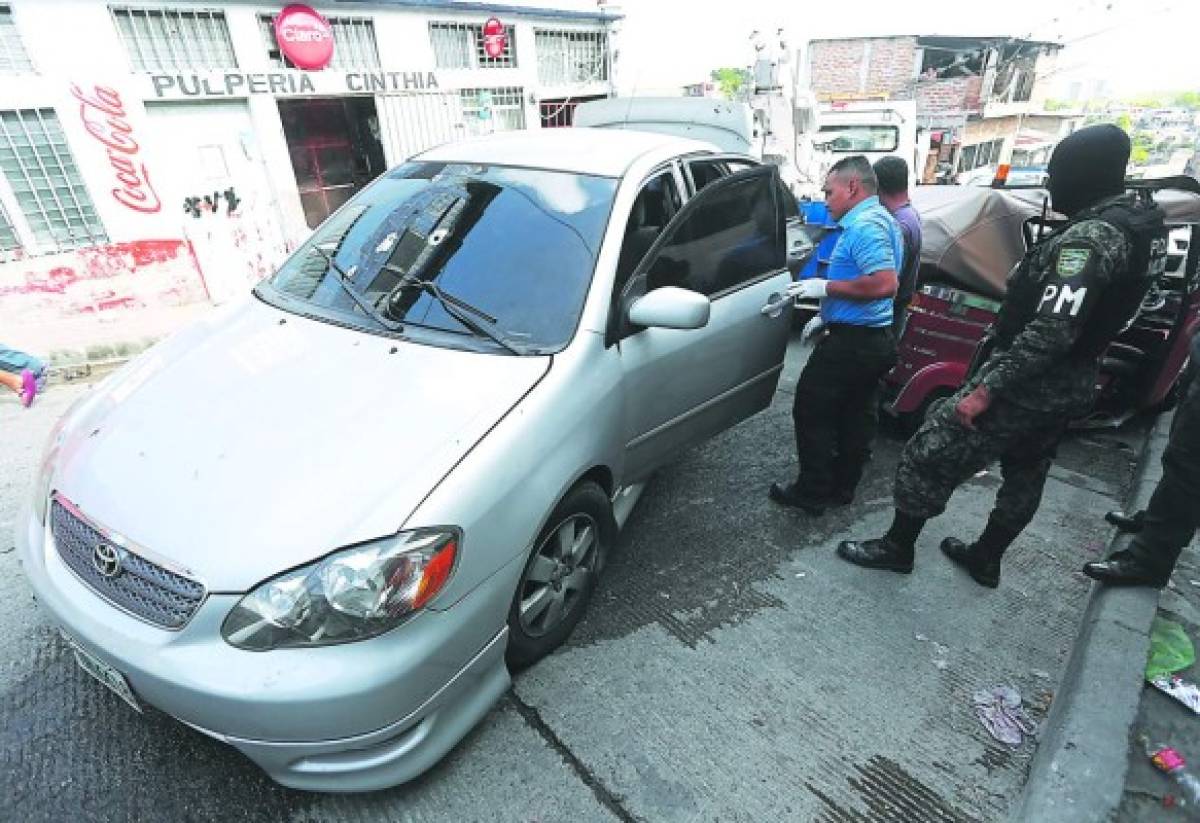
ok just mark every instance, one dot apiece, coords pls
pixel 1078 773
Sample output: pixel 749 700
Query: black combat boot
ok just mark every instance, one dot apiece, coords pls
pixel 982 558
pixel 1124 568
pixel 983 566
pixel 893 551
pixel 877 554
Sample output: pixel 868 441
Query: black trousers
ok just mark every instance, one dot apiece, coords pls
pixel 1173 514
pixel 835 407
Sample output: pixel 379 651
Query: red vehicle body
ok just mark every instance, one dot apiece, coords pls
pixel 973 237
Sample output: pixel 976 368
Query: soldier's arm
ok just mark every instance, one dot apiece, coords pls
pixel 1079 269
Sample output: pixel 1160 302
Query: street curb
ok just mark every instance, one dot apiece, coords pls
pixel 76 372
pixel 1078 772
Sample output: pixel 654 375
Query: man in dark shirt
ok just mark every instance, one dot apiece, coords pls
pixel 1170 521
pixel 892 174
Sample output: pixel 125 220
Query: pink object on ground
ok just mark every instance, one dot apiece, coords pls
pixel 28 388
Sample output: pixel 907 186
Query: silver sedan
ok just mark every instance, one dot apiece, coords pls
pixel 322 524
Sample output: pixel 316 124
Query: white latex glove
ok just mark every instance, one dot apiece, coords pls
pixel 811 328
pixel 810 288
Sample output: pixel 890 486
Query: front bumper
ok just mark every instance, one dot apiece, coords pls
pixel 355 717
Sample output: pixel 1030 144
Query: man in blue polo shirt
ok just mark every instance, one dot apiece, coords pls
pixel 834 411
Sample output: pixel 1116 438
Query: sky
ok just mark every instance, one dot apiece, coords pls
pixel 1135 46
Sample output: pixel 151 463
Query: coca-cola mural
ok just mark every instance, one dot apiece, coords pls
pixel 104 118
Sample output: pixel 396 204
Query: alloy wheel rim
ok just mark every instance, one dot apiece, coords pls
pixel 555 581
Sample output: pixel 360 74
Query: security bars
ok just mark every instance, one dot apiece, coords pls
pixel 566 57
pixel 45 182
pixel 354 45
pixel 488 110
pixel 172 39
pixel 13 57
pixel 460 46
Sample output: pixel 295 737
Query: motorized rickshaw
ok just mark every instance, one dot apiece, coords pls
pixel 972 239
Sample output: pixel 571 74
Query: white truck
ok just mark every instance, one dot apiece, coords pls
pixel 872 128
pixel 774 121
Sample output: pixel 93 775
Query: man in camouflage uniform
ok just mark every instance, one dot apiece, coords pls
pixel 1067 299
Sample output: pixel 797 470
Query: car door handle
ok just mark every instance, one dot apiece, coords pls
pixel 775 304
pixel 777 300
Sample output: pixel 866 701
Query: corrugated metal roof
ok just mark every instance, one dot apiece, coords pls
pixel 494 8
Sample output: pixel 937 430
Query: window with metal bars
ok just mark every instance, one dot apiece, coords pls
pixel 8 235
pixel 566 57
pixel 354 45
pixel 45 182
pixel 167 39
pixel 13 57
pixel 490 110
pixel 460 46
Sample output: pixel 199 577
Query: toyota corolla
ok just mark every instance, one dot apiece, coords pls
pixel 323 523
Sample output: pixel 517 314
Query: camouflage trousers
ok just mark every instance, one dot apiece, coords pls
pixel 944 454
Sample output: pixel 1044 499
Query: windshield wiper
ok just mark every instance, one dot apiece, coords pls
pixel 457 308
pixel 343 280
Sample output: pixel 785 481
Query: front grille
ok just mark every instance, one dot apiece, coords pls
pixel 141 587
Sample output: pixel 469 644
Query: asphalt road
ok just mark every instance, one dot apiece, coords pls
pixel 731 668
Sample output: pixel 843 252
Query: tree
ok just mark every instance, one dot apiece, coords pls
pixel 1125 122
pixel 731 81
pixel 1147 101
pixel 1187 99
pixel 1143 142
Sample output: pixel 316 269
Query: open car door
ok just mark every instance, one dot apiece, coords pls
pixel 684 385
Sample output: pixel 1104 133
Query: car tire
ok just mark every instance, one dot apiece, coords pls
pixel 560 575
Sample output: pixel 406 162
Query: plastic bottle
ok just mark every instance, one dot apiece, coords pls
pixel 1171 763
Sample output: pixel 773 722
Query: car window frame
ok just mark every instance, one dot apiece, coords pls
pixel 674 167
pixel 727 157
pixel 618 327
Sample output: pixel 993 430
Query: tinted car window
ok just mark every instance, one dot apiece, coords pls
pixel 517 244
pixel 731 236
pixel 656 204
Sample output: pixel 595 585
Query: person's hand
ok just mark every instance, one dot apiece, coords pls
pixel 811 328
pixel 973 405
pixel 811 287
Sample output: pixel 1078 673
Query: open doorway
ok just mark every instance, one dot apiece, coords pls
pixel 335 150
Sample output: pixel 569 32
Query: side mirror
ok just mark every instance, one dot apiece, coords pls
pixel 671 308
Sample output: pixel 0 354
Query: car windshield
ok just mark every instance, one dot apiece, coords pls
pixel 515 246
pixel 852 138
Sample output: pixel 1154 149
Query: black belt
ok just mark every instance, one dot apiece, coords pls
pixel 853 328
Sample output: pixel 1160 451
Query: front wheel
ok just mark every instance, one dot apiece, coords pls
pixel 560 575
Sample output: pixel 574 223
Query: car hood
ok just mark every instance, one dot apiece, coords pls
pixel 258 441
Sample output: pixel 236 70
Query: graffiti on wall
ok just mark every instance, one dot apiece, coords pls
pixel 99 279
pixel 104 118
pixel 211 203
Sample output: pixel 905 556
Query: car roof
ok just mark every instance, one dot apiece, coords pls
pixel 604 152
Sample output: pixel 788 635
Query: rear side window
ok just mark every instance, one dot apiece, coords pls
pixel 731 236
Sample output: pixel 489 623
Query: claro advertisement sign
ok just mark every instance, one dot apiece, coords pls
pixel 304 37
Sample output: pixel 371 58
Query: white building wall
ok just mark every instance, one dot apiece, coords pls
pixel 151 272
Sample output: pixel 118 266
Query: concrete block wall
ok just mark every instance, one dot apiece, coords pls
pixel 957 94
pixel 883 66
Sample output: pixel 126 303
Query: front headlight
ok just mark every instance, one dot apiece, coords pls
pixel 351 595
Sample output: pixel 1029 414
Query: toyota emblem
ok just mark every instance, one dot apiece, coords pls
pixel 107 560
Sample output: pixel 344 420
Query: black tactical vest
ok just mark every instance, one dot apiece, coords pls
pixel 1120 301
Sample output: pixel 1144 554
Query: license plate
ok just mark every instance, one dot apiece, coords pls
pixel 103 672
